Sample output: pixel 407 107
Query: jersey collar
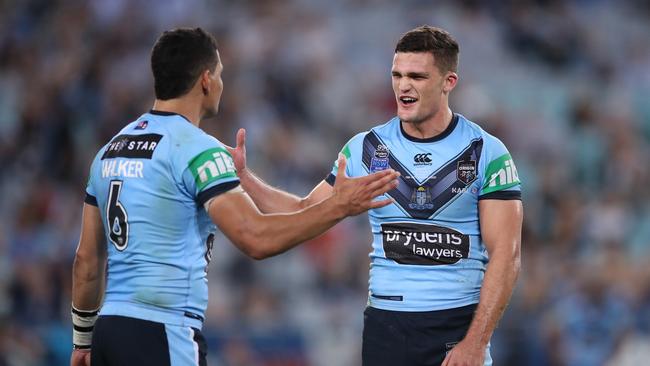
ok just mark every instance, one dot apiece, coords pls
pixel 438 137
pixel 164 113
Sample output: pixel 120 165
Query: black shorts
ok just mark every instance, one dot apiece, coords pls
pixel 124 341
pixel 396 338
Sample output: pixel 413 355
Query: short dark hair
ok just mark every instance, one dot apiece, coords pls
pixel 435 40
pixel 178 58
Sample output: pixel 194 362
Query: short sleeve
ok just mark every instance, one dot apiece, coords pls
pixel 91 193
pixel 500 179
pixel 347 151
pixel 207 169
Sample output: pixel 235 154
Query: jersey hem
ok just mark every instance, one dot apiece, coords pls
pixel 400 306
pixel 150 312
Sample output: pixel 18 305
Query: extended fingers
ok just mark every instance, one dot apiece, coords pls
pixel 381 203
pixel 340 172
pixel 375 176
pixel 384 184
pixel 241 138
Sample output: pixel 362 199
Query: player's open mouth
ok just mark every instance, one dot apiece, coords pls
pixel 407 100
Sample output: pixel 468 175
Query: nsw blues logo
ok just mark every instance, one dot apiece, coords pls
pixel 380 161
pixel 421 199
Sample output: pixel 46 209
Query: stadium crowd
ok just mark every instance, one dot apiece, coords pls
pixel 564 84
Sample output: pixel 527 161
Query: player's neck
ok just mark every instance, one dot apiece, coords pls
pixel 432 127
pixel 191 111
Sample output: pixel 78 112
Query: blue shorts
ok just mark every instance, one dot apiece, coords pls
pixel 400 338
pixel 124 341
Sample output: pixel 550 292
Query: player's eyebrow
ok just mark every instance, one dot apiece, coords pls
pixel 414 75
pixel 411 74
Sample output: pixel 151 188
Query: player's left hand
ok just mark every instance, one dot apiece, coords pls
pixel 239 152
pixel 80 357
pixel 465 353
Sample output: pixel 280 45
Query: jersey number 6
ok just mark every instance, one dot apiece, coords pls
pixel 116 217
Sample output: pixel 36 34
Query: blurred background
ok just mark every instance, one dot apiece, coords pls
pixel 565 85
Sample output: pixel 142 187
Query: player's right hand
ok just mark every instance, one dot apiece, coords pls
pixel 356 195
pixel 80 357
pixel 239 152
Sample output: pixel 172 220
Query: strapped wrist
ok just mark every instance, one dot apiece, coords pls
pixel 83 323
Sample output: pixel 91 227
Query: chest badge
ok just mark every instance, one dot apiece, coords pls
pixel 466 171
pixel 421 199
pixel 380 161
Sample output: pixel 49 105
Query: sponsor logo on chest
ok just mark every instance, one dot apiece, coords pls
pixel 423 244
pixel 422 159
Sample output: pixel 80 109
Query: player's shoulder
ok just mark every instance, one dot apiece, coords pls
pixel 383 130
pixel 476 131
pixel 387 128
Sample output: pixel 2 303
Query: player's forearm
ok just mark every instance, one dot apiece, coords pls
pixel 281 232
pixel 267 198
pixel 88 279
pixel 498 284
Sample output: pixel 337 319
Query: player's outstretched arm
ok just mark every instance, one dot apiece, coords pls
pixel 501 222
pixel 265 235
pixel 267 198
pixel 88 279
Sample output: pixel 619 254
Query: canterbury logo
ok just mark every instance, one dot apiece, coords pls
pixel 422 158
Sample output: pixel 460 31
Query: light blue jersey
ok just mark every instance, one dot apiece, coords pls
pixel 427 253
pixel 150 183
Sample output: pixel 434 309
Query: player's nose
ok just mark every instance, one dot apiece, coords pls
pixel 404 85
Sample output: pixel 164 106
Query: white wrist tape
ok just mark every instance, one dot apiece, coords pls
pixel 83 322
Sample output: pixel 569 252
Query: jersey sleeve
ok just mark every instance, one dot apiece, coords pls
pixel 91 191
pixel 206 169
pixel 352 151
pixel 500 179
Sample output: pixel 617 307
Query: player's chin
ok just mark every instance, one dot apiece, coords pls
pixel 407 116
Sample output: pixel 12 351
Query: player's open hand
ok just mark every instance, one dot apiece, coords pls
pixel 80 357
pixel 356 195
pixel 465 353
pixel 239 152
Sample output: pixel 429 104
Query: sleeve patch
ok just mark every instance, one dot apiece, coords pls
pixel 210 166
pixel 500 174
pixel 346 151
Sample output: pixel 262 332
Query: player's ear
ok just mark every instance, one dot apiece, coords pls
pixel 205 81
pixel 451 79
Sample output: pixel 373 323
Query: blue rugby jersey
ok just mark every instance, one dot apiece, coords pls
pixel 150 183
pixel 427 253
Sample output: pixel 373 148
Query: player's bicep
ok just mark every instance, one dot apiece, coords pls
pixel 92 240
pixel 501 222
pixel 236 215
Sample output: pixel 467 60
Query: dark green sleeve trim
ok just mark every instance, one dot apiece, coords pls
pixel 501 195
